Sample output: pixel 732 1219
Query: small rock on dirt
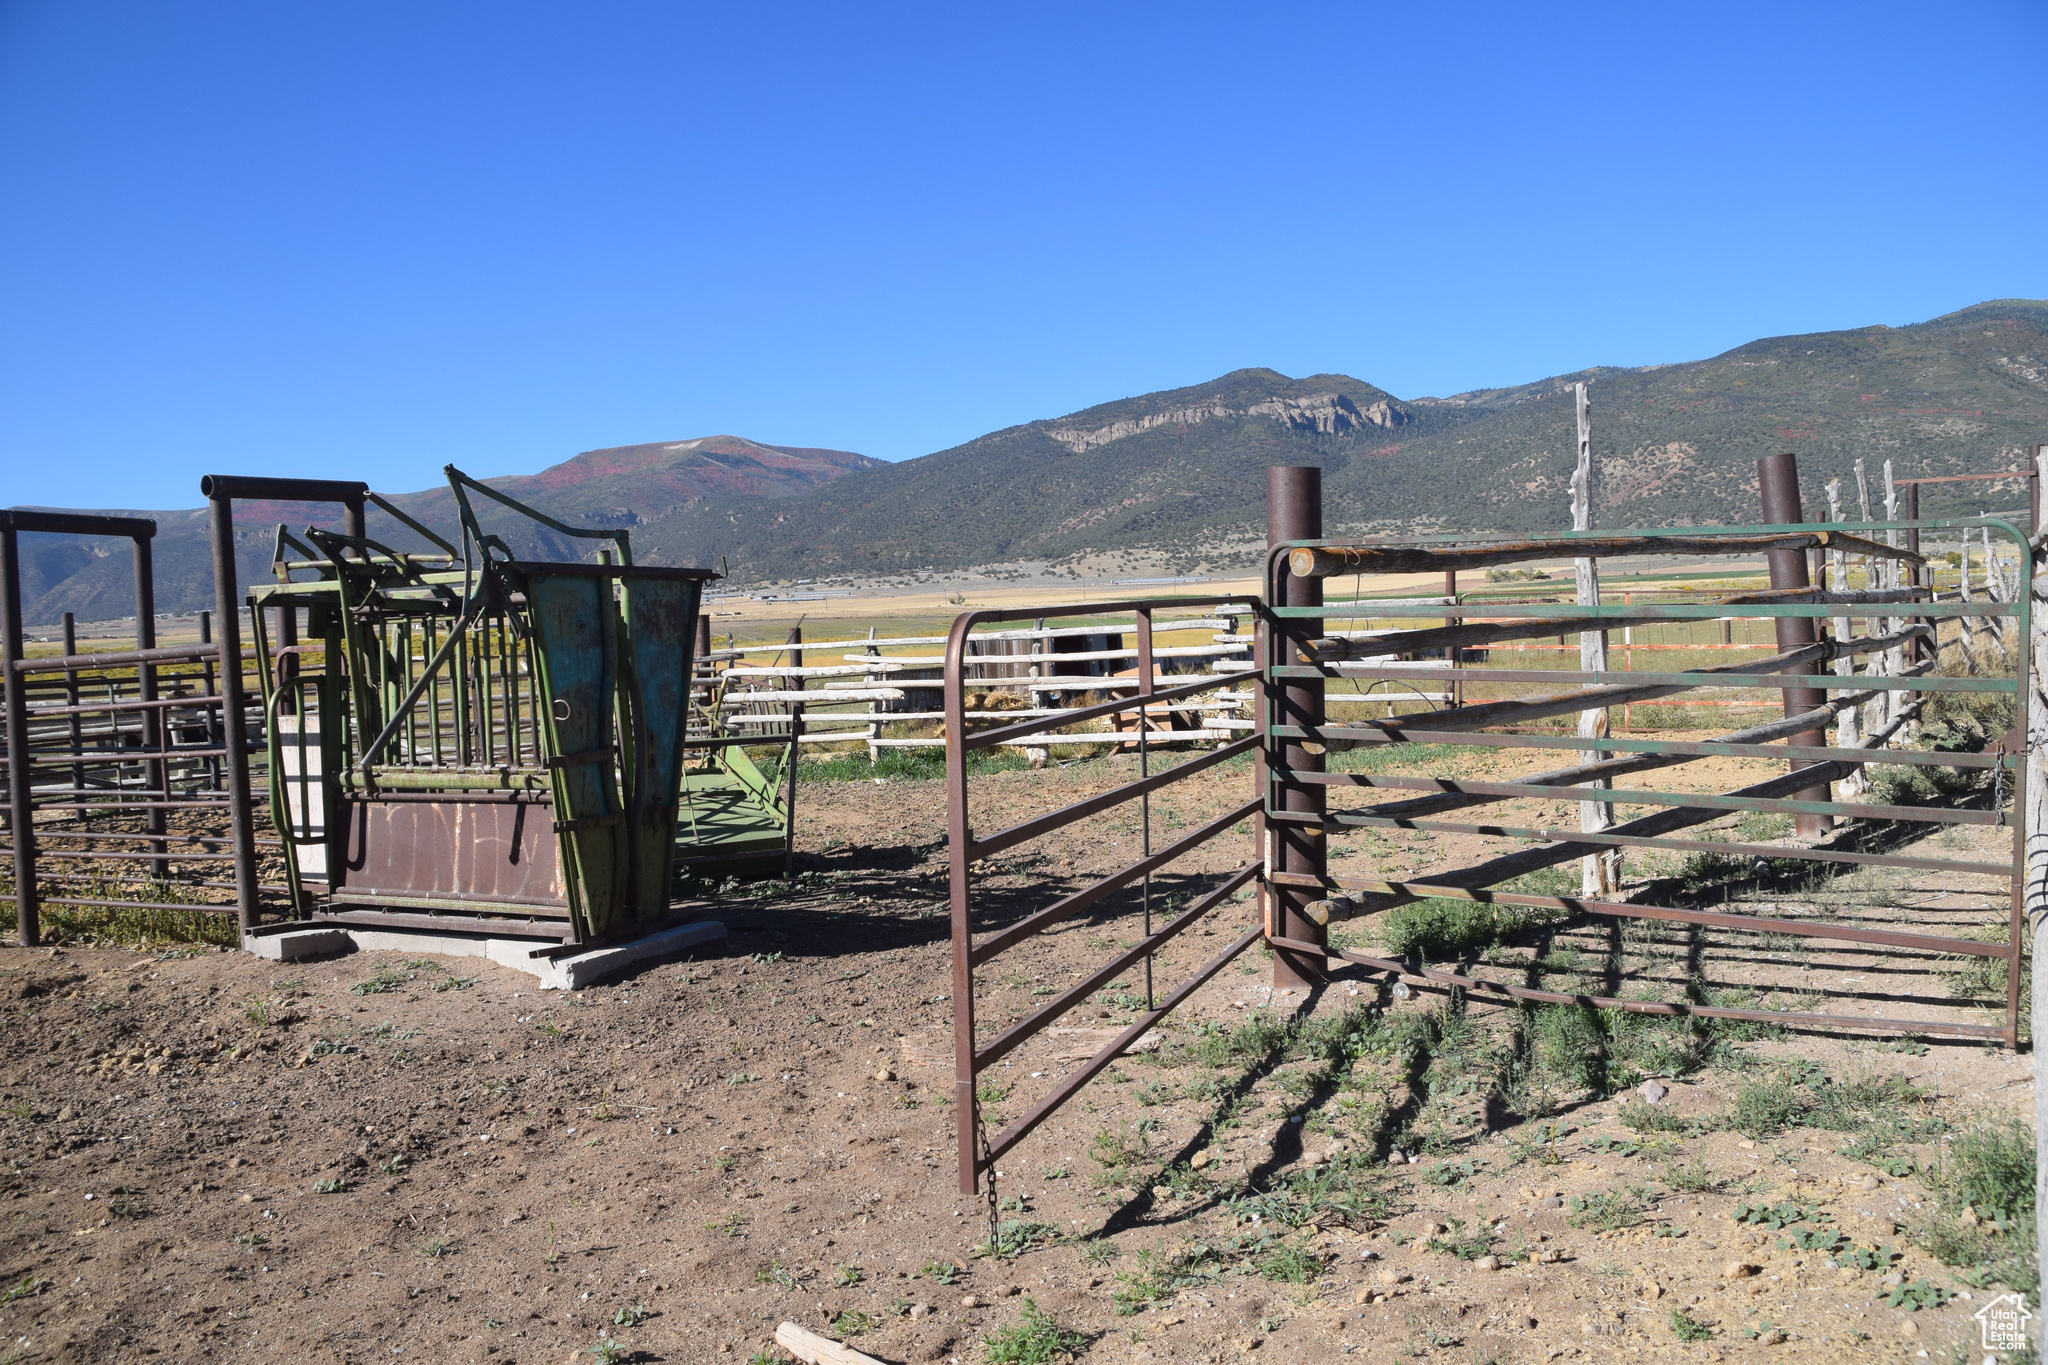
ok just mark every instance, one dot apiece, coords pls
pixel 1201 1158
pixel 969 1301
pixel 1652 1092
pixel 1527 1323
pixel 1487 1263
pixel 1738 1270
pixel 1393 1277
pixel 1867 1184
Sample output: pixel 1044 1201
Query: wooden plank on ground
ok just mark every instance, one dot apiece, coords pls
pixel 818 1350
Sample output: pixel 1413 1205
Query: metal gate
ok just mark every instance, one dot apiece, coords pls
pixel 1141 693
pixel 1899 621
pixel 1892 627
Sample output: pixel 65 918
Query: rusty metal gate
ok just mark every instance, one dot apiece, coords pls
pixel 1897 619
pixel 1142 694
pixel 1892 627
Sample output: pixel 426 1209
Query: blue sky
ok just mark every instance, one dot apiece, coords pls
pixel 363 239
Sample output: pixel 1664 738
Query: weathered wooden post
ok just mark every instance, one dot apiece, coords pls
pixel 1599 873
pixel 796 734
pixel 1849 734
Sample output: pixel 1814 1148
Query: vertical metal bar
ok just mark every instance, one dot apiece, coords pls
pixel 1452 653
pixel 75 729
pixel 2033 474
pixel 155 771
pixel 1145 770
pixel 353 519
pixel 465 743
pixel 533 716
pixel 234 718
pixel 209 711
pixel 1778 484
pixel 1294 511
pixel 20 811
pixel 958 835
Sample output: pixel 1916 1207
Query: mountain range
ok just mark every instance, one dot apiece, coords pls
pixel 1175 479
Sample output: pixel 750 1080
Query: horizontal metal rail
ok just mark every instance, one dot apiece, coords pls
pixel 125 658
pixel 1328 561
pixel 983 739
pixel 1395 732
pixel 1007 1041
pixel 1629 797
pixel 1004 939
pixel 1115 796
pixel 1899 681
pixel 1018 1130
pixel 1667 611
pixel 1719 919
pixel 1787 1018
pixel 1607 839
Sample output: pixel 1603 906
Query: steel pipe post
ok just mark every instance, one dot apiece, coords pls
pixel 20 810
pixel 1778 485
pixel 1294 511
pixel 234 720
pixel 74 728
pixel 156 772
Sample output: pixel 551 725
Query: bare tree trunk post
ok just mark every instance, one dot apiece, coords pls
pixel 1599 873
pixel 1849 733
pixel 1895 657
pixel 1874 710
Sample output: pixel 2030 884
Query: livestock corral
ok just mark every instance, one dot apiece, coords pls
pixel 1624 956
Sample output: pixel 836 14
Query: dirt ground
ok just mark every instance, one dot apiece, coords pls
pixel 377 1157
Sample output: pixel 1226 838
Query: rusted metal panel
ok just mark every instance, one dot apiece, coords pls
pixel 451 849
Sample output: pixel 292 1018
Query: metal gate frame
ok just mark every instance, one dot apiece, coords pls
pixel 1294 751
pixel 1299 897
pixel 977 1151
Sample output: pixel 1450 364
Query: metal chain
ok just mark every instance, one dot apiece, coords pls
pixel 988 1161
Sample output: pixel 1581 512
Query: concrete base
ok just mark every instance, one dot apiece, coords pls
pixel 558 973
pixel 300 944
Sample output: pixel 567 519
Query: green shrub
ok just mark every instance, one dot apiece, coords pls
pixel 1435 928
pixel 1568 1043
pixel 1035 1339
